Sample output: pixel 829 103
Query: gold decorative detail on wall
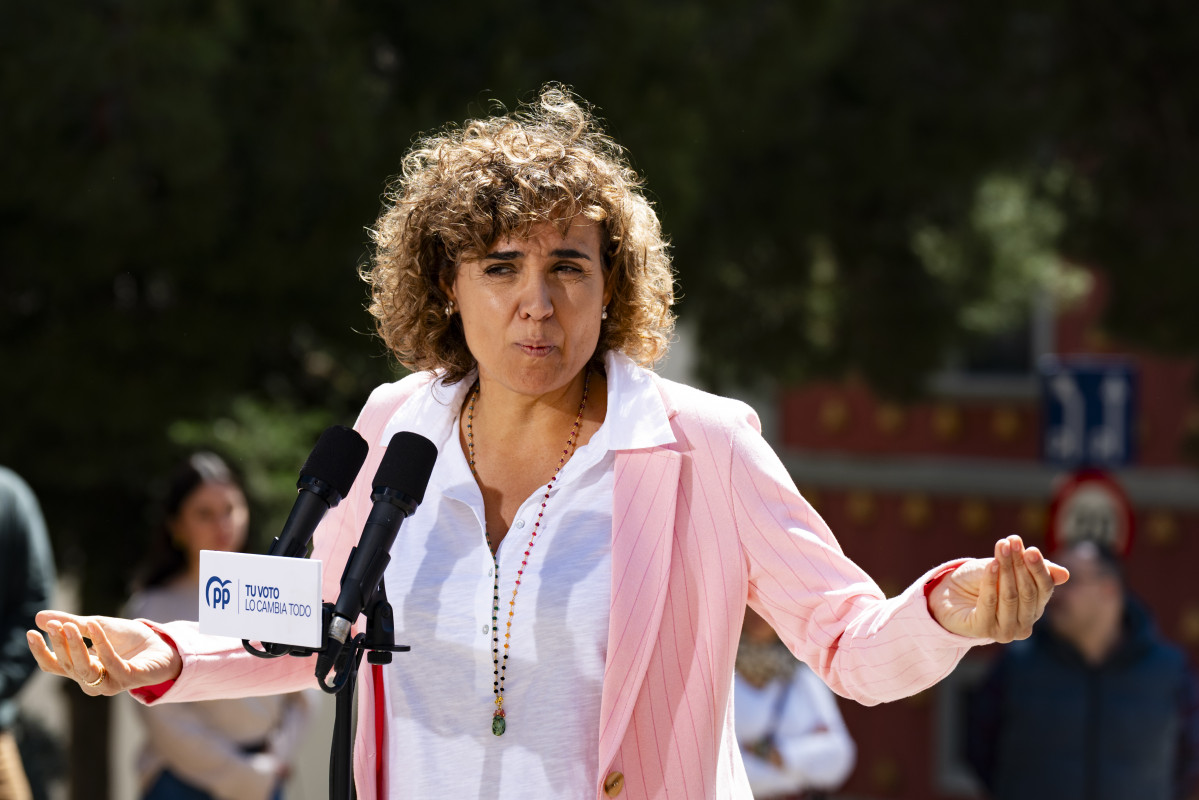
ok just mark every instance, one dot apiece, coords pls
pixel 974 516
pixel 860 507
pixel 1188 625
pixel 1161 528
pixel 947 422
pixel 889 418
pixel 1190 423
pixel 885 775
pixel 915 510
pixel 1097 340
pixel 1188 437
pixel 1033 518
pixel 834 415
pixel 1005 424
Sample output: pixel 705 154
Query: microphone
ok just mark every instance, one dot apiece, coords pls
pixel 325 479
pixel 398 488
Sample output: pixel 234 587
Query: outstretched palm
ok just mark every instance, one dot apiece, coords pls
pixel 131 653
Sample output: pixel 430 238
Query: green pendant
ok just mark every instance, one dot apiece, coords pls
pixel 498 725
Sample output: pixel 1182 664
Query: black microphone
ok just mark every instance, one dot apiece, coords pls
pixel 325 479
pixel 398 488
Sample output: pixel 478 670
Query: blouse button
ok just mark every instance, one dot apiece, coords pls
pixel 520 523
pixel 614 783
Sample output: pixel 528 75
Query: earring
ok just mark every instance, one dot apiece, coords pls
pixel 604 312
pixel 449 309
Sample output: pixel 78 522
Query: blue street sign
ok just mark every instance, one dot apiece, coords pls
pixel 1088 412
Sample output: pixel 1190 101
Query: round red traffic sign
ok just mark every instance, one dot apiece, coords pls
pixel 1090 505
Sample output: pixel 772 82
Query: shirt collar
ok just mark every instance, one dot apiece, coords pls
pixel 636 418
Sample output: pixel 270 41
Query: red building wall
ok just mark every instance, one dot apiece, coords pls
pixel 897 532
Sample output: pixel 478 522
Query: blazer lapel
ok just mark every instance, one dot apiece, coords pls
pixel 643 510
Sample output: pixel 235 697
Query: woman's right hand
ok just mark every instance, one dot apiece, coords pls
pixel 124 654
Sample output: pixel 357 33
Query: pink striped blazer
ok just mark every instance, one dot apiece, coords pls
pixel 701 527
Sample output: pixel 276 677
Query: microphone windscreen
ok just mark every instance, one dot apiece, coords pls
pixel 407 465
pixel 338 455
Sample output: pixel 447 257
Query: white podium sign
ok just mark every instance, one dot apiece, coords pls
pixel 261 598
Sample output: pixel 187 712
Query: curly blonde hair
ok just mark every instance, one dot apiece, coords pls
pixel 465 187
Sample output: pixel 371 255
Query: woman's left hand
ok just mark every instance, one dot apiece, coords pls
pixel 997 598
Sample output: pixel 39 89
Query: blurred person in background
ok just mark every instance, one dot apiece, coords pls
pixel 1095 705
pixel 793 740
pixel 220 749
pixel 26 583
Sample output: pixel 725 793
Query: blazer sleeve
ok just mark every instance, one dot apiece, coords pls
pixel 826 609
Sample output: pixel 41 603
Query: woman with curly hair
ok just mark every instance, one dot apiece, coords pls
pixel 574 583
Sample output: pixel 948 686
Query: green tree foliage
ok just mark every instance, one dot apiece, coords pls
pixel 182 205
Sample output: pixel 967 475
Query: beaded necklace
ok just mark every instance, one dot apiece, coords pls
pixel 498 722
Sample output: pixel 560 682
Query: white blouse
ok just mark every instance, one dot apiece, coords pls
pixel 440 583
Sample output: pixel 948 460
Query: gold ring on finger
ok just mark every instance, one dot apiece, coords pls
pixel 99 678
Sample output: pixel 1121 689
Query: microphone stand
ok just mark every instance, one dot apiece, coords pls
pixel 378 642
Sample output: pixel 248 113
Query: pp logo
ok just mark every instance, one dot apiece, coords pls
pixel 216 592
